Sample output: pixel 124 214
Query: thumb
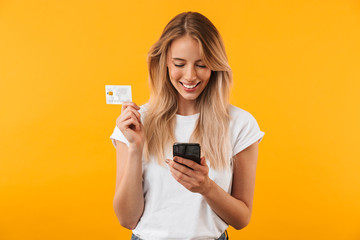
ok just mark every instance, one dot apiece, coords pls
pixel 203 161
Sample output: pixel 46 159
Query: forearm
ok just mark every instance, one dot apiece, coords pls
pixel 231 210
pixel 129 200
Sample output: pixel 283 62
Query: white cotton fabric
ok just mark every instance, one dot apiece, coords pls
pixel 173 212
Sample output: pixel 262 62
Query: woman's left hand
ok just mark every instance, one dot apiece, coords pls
pixel 194 177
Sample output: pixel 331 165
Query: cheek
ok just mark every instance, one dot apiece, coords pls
pixel 175 74
pixel 205 75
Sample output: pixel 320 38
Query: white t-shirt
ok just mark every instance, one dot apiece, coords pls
pixel 173 212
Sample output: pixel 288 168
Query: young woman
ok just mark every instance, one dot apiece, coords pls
pixel 156 195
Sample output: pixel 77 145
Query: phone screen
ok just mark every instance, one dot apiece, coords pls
pixel 187 150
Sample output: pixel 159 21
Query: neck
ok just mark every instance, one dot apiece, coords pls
pixel 186 107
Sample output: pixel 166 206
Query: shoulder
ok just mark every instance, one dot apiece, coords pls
pixel 241 119
pixel 244 129
pixel 240 115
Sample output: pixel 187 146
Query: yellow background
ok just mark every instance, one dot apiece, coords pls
pixel 296 68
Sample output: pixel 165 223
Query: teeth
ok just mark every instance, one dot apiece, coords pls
pixel 189 86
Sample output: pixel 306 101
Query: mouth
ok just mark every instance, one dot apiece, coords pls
pixel 190 87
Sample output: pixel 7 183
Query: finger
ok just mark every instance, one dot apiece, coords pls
pixel 180 177
pixel 181 168
pixel 188 163
pixel 126 115
pixel 203 161
pixel 125 105
pixel 134 111
pixel 195 175
pixel 136 124
pixel 126 124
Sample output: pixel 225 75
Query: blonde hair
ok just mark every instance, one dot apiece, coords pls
pixel 212 127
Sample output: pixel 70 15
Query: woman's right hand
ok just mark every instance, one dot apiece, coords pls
pixel 129 123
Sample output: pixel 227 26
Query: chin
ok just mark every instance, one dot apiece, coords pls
pixel 189 98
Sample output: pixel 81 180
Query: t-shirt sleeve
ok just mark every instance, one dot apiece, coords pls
pixel 248 132
pixel 118 135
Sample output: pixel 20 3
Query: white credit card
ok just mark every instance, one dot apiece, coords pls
pixel 117 94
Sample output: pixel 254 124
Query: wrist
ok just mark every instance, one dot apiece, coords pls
pixel 209 187
pixel 135 149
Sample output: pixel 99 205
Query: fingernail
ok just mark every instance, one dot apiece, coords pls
pixel 167 160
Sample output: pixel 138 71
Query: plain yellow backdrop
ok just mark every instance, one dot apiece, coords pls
pixel 296 68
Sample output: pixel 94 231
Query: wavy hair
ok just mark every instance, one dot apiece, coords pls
pixel 212 127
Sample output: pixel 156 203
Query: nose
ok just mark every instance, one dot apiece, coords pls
pixel 190 74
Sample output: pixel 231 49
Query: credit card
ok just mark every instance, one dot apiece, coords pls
pixel 117 94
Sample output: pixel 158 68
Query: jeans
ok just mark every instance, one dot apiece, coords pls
pixel 224 236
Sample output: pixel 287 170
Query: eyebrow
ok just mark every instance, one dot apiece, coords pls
pixel 185 60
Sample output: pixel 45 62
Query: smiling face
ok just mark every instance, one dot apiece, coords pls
pixel 187 71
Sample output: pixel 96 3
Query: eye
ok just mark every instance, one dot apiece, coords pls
pixel 181 65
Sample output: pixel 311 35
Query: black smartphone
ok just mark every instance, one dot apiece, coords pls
pixel 187 150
